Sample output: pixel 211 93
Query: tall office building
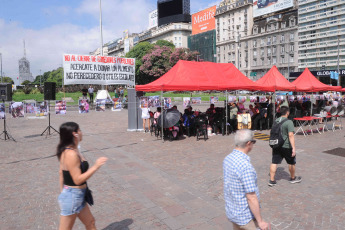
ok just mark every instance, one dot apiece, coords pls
pixel 24 69
pixel 321 34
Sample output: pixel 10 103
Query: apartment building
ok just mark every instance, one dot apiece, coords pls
pixel 321 34
pixel 234 22
pixel 274 42
pixel 177 33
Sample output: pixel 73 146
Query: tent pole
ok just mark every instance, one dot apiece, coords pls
pixel 311 104
pixel 162 112
pixel 274 105
pixel 226 112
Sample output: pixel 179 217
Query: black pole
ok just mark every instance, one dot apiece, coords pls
pixel 6 134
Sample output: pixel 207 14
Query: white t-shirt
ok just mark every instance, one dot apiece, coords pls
pixel 90 90
pixel 145 113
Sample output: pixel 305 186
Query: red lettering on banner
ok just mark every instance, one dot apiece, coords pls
pixel 93 58
pixel 80 58
pixel 73 58
pixel 67 58
pixel 87 58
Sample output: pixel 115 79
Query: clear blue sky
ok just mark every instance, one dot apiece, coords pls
pixel 53 27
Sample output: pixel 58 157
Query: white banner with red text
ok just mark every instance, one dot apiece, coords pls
pixel 98 70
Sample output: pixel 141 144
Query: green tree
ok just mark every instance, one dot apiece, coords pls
pixel 161 59
pixel 26 82
pixel 7 80
pixel 138 52
pixel 162 43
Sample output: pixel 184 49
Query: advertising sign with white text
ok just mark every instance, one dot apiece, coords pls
pixel 204 20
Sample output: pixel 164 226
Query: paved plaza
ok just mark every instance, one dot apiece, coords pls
pixel 148 184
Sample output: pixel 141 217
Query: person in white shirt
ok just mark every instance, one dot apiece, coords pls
pixel 145 115
pixel 90 90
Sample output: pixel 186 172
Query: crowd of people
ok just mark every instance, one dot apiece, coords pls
pixel 261 114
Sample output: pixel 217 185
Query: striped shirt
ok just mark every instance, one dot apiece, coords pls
pixel 239 179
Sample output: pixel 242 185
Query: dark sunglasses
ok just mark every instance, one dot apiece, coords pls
pixel 253 141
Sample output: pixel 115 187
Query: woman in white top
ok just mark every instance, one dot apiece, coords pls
pixel 145 115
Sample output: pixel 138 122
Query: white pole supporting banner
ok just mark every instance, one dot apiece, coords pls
pixel 98 70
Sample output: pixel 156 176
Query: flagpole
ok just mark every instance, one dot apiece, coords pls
pixel 101 31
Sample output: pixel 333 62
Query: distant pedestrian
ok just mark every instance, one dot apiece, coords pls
pixel 145 115
pixel 84 93
pixel 91 93
pixel 241 192
pixel 287 151
pixel 74 172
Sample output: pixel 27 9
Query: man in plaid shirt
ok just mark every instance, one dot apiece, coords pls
pixel 241 192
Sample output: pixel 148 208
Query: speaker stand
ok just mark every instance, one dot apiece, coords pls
pixel 6 134
pixel 49 126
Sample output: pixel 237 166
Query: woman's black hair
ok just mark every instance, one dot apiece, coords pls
pixel 159 109
pixel 66 137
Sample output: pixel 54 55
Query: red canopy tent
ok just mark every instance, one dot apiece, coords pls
pixel 199 76
pixel 307 82
pixel 274 79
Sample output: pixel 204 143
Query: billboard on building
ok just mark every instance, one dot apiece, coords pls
pixel 153 19
pixel 204 20
pixel 262 7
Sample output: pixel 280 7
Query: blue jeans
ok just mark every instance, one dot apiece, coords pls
pixel 71 200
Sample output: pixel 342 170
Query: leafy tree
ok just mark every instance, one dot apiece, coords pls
pixel 162 59
pixel 26 82
pixel 162 43
pixel 7 80
pixel 138 52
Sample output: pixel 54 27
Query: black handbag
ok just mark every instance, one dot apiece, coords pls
pixel 88 196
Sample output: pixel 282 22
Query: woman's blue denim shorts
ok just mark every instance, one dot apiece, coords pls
pixel 71 200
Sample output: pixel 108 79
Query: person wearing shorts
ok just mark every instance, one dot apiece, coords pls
pixel 74 172
pixel 287 151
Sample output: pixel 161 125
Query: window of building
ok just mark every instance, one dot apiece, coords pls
pixel 262 41
pixel 282 38
pixel 175 38
pixel 268 40
pixel 246 64
pixel 274 60
pixel 292 48
pixel 274 50
pixel 291 58
pixel 254 62
pixel 254 53
pixel 282 49
pixel 292 21
pixel 180 44
pixel 179 38
pixel 255 30
pixel 179 26
pixel 254 43
pixel 262 52
pixel 292 37
pixel 268 51
pixel 232 46
pixel 274 40
pixel 283 25
pixel 269 61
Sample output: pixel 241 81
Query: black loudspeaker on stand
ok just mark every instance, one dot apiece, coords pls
pixel 49 94
pixel 6 134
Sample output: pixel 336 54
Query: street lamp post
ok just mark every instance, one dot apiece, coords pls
pixel 338 84
pixel 1 65
pixel 288 78
pixel 40 79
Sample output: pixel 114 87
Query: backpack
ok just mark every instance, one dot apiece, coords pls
pixel 276 137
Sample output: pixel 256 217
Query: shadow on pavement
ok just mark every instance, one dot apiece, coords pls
pixel 122 225
pixel 281 174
